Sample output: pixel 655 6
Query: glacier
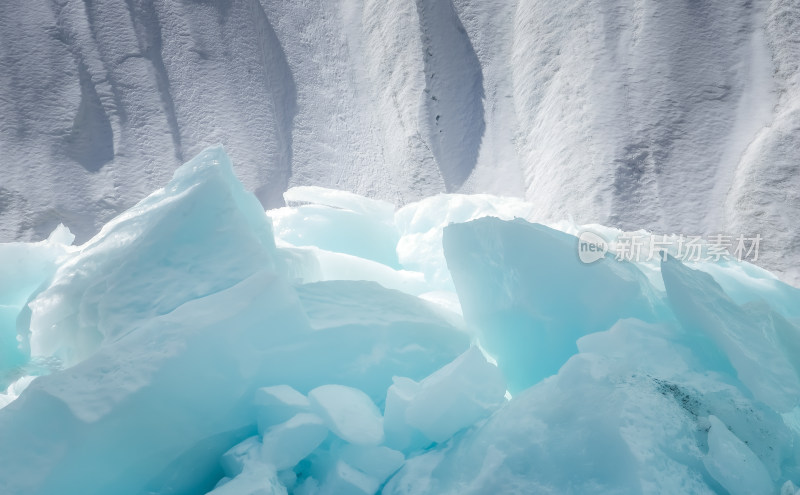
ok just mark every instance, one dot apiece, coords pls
pixel 342 345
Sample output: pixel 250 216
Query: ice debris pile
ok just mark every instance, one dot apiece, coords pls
pixel 342 346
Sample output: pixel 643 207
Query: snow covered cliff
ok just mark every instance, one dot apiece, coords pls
pixel 668 115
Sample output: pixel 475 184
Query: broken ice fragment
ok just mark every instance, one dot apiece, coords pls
pixel 349 413
pixel 277 404
pixel 286 444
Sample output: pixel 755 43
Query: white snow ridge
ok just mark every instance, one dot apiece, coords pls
pixel 671 116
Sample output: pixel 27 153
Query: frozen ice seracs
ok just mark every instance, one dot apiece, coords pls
pixel 169 321
pixel 201 234
pixel 738 339
pixel 648 390
pixel 530 297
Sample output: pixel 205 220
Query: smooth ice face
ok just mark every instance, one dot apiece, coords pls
pixel 524 288
pixel 399 434
pixel 733 464
pixel 744 283
pixel 458 395
pixel 336 235
pixel 311 264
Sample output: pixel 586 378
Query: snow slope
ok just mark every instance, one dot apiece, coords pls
pixel 672 116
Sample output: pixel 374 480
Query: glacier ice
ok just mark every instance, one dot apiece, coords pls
pixel 222 321
pixel 338 221
pixel 175 246
pixel 387 333
pixel 349 413
pixel 744 336
pixel 379 462
pixel 523 287
pixel 421 225
pixel 246 472
pixel 235 460
pixel 277 404
pixel 199 345
pixel 733 464
pixel 23 268
pixel 286 444
pixel 344 480
pixel 456 396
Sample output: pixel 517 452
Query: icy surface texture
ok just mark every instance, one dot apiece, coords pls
pixel 185 349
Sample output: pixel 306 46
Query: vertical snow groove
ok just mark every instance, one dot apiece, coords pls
pixel 764 195
pixel 118 108
pixel 453 91
pixel 147 26
pixel 90 141
pixel 282 91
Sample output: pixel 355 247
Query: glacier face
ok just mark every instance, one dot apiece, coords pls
pixel 670 116
pixel 192 347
